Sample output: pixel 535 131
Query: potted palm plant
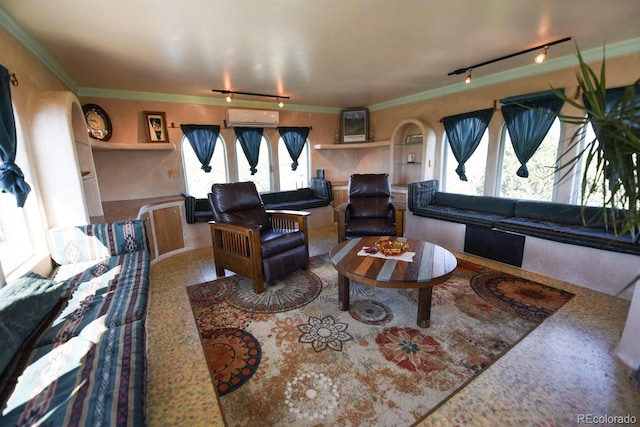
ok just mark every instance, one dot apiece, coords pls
pixel 611 169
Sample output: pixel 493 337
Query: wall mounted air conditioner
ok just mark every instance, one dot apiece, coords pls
pixel 252 118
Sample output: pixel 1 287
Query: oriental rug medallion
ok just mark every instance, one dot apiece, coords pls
pixel 289 357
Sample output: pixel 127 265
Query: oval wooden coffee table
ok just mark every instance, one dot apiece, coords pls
pixel 431 266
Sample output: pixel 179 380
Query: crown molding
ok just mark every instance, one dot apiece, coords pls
pixel 608 51
pixel 36 49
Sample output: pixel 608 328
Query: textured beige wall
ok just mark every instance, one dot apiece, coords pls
pixel 125 175
pixel 129 175
pixel 33 79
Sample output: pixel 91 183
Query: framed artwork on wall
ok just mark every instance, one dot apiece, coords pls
pixel 355 125
pixel 156 126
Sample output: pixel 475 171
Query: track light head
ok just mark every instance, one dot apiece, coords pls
pixel 542 56
pixel 468 79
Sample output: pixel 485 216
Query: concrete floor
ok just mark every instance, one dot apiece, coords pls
pixel 562 373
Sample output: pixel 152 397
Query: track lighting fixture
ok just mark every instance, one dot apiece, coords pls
pixel 229 95
pixel 467 79
pixel 542 55
pixel 539 59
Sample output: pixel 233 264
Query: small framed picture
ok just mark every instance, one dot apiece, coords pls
pixel 156 125
pixel 355 125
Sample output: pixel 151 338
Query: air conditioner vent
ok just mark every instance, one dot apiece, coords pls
pixel 252 118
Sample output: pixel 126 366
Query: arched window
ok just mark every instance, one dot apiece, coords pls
pixel 15 240
pixel 197 181
pixel 474 169
pixel 292 179
pixel 597 197
pixel 541 183
pixel 17 243
pixel 262 177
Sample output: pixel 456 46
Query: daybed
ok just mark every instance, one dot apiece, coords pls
pixel 318 194
pixel 74 344
pixel 552 221
pixel 548 238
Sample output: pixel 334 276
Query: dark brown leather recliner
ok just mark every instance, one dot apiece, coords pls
pixel 260 244
pixel 369 211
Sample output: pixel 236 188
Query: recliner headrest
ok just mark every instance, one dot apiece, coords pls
pixel 369 185
pixel 236 196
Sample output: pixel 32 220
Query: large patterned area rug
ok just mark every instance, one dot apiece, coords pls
pixel 289 357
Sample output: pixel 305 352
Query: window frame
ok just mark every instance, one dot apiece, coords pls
pixel 240 155
pixel 185 145
pixel 38 257
pixel 284 162
pixel 444 177
pixel 502 144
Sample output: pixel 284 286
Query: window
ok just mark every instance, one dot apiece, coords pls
pixel 198 182
pixel 15 239
pixel 597 197
pixel 475 169
pixel 19 227
pixel 262 178
pixel 292 179
pixel 540 185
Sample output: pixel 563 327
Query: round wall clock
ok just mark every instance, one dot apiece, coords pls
pixel 98 122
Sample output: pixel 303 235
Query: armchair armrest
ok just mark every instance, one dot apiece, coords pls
pixel 341 213
pixel 236 246
pixel 290 220
pixel 400 209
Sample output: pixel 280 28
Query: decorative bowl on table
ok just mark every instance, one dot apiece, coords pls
pixel 391 247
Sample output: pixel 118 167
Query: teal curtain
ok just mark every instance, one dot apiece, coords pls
pixel 528 119
pixel 11 177
pixel 294 139
pixel 202 139
pixel 615 100
pixel 250 142
pixel 464 132
pixel 614 103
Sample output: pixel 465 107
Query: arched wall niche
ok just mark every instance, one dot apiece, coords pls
pixel 413 149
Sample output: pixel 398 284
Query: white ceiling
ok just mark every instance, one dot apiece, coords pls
pixel 332 53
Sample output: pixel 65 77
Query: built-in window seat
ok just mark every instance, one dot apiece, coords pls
pixel 316 199
pixel 556 239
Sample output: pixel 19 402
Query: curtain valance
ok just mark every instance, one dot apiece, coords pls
pixel 294 139
pixel 528 119
pixel 202 139
pixel 11 176
pixel 464 132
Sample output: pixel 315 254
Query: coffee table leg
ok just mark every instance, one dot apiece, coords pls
pixel 424 306
pixel 343 292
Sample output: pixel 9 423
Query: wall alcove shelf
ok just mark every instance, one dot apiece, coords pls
pixel 148 146
pixel 412 148
pixel 352 146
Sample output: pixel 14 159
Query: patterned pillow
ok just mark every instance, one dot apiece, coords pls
pixel 24 303
pixel 71 245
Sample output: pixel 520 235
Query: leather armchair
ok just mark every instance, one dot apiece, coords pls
pixel 263 245
pixel 369 211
